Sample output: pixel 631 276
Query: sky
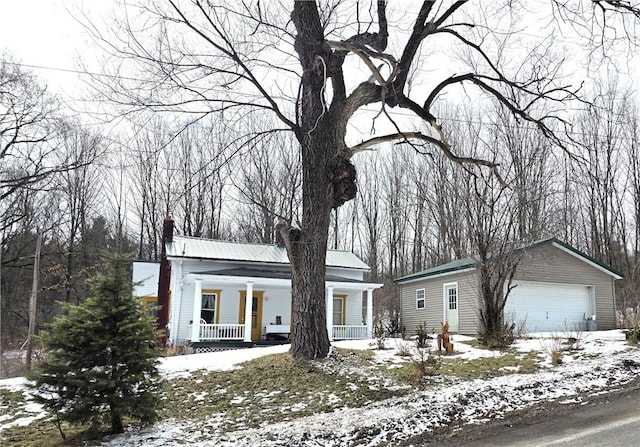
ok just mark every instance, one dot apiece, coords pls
pixel 45 37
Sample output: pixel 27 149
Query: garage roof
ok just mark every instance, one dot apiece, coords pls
pixel 470 262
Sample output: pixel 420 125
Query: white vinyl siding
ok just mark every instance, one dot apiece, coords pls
pixel 433 313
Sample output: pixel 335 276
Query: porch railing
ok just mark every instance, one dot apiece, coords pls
pixel 219 331
pixel 344 332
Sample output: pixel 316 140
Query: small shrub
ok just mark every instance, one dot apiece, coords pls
pixel 425 362
pixel 172 351
pixel 392 326
pixel 573 337
pixel 632 335
pixel 500 339
pixel 380 334
pixel 554 347
pixel 520 330
pixel 556 357
pixel 403 350
pixel 423 339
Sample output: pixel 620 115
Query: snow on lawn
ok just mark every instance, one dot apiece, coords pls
pixel 603 363
pixel 27 413
pixel 183 365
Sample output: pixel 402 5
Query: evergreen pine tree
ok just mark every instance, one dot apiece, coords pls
pixel 101 357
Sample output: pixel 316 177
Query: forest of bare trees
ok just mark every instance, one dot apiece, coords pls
pixel 411 212
pixel 220 176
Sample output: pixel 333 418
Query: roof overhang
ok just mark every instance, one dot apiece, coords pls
pixel 417 277
pixel 345 284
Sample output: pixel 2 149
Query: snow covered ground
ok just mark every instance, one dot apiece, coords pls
pixel 603 363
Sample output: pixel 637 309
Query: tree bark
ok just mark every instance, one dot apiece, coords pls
pixel 328 182
pixel 116 422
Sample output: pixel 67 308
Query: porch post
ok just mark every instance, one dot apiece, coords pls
pixel 197 307
pixel 330 312
pixel 369 313
pixel 248 306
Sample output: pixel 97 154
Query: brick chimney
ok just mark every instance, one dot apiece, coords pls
pixel 164 280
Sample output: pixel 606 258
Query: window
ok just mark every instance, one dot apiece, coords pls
pixel 452 295
pixel 150 306
pixel 210 304
pixel 420 301
pixel 338 310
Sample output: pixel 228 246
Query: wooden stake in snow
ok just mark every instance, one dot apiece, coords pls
pixel 34 299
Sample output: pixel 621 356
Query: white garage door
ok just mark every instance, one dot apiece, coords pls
pixel 549 307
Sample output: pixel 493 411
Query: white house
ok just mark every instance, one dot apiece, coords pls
pixel 225 291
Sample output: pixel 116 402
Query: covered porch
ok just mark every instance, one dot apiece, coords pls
pixel 236 332
pixel 240 306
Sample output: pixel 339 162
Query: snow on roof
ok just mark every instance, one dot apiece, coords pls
pixel 200 248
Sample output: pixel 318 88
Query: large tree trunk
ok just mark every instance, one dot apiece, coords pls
pixel 328 182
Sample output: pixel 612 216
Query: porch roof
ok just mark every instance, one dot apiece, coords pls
pixel 274 277
pixel 200 248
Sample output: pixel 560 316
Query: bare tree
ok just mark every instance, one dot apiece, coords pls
pixel 492 225
pixel 268 187
pixel 78 191
pixel 30 121
pixel 401 210
pixel 237 58
pixel 600 174
pixel 148 178
pixel 370 203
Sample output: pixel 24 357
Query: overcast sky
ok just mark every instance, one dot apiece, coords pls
pixel 46 38
pixel 43 33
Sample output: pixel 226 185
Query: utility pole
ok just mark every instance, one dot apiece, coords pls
pixel 34 300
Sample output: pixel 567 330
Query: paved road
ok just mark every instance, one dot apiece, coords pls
pixel 608 421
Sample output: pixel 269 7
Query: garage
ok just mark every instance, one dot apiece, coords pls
pixel 549 307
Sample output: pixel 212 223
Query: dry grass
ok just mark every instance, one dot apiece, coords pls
pixel 275 388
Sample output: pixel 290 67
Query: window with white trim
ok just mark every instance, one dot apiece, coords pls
pixel 208 309
pixel 338 310
pixel 420 299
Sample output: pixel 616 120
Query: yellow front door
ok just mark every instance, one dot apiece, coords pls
pixel 256 313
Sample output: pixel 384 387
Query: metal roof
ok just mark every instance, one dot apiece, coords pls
pixel 264 273
pixel 449 267
pixel 471 262
pixel 199 248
